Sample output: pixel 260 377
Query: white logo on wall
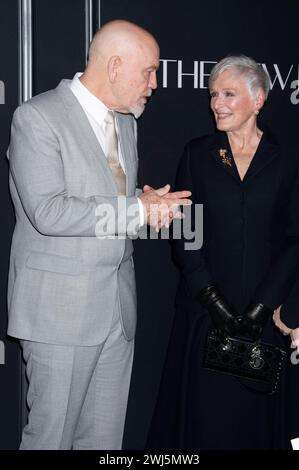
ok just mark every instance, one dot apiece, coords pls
pixel 2 92
pixel 2 353
pixel 279 76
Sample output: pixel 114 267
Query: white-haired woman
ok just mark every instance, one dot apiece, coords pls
pixel 246 181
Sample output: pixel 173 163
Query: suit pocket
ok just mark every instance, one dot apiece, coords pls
pixel 54 263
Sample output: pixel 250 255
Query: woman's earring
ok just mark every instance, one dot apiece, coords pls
pixel 256 111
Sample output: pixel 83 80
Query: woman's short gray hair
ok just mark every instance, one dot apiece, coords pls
pixel 255 75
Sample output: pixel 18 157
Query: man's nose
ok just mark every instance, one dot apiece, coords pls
pixel 153 81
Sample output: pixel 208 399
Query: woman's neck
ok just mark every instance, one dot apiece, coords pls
pixel 245 138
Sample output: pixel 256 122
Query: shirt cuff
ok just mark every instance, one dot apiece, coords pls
pixel 141 212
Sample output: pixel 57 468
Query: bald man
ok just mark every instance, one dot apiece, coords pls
pixel 71 295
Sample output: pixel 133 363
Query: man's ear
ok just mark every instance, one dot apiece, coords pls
pixel 112 67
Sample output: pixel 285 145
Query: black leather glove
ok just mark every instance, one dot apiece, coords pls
pixel 222 314
pixel 254 319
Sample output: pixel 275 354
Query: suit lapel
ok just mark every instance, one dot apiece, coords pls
pixel 128 149
pixel 88 140
pixel 123 138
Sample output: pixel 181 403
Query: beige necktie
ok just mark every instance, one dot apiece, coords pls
pixel 112 153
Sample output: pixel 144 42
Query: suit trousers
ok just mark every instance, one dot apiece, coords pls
pixel 77 396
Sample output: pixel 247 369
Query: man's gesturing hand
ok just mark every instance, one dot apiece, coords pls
pixel 161 207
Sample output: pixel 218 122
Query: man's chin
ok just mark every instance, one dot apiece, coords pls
pixel 137 111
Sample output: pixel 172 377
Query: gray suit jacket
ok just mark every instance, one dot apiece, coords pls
pixel 64 282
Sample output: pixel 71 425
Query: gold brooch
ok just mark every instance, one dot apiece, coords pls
pixel 227 160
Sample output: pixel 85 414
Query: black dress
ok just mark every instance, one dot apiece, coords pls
pixel 248 253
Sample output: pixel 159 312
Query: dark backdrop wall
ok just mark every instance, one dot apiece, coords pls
pixel 193 35
pixel 10 389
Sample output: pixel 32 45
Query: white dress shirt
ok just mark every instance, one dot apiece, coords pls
pixel 96 112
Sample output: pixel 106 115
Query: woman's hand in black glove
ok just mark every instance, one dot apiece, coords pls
pixel 255 317
pixel 222 314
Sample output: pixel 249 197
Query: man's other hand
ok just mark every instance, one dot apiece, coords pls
pixel 161 206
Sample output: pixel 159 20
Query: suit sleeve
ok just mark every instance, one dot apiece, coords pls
pixel 280 282
pixel 37 172
pixel 187 253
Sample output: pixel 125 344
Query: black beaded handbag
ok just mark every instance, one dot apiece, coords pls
pixel 258 363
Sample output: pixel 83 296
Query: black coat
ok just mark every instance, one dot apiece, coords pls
pixel 251 252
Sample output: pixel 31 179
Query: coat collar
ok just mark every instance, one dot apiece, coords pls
pixel 78 118
pixel 266 151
